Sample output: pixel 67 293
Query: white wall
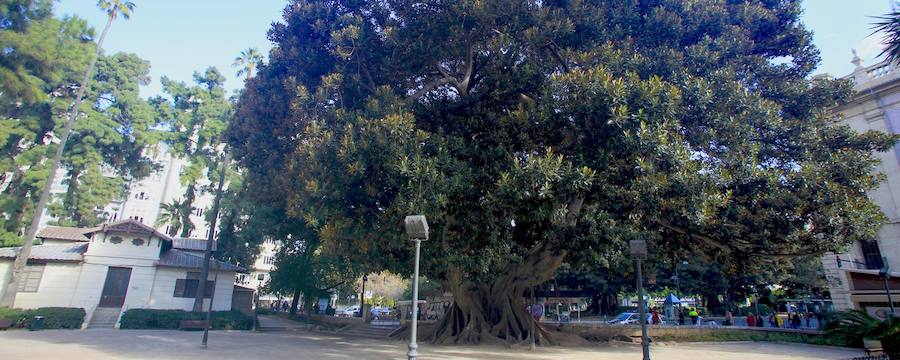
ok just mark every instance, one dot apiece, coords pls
pixel 56 287
pixel 164 288
pixel 101 246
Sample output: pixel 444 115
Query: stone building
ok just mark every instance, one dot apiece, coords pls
pixel 854 277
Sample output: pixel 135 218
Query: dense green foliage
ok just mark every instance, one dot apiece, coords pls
pixel 170 319
pixel 40 72
pixel 531 131
pixel 54 317
pixel 855 325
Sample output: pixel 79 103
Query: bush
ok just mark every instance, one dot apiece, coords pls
pixel 170 319
pixel 54 317
pixel 768 336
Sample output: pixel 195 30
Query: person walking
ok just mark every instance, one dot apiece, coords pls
pixel 655 318
pixel 694 315
pixel 729 319
pixel 681 317
pixel 751 320
pixel 796 320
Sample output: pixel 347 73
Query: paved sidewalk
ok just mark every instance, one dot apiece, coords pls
pixel 103 344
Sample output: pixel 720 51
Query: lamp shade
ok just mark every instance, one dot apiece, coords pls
pixel 416 227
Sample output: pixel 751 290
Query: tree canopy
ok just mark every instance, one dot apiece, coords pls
pixel 527 131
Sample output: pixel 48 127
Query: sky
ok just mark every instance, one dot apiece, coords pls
pixel 179 37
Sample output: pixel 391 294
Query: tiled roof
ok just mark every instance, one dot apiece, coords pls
pixel 181 259
pixel 129 226
pixel 191 244
pixel 63 252
pixel 63 233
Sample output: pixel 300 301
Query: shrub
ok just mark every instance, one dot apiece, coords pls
pixel 171 319
pixel 54 317
pixel 855 325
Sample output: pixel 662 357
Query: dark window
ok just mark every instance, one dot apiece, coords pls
pixel 872 255
pixel 187 287
pixel 262 277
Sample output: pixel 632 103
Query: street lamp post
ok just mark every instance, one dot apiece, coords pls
pixel 362 299
pixel 885 273
pixel 638 252
pixel 417 230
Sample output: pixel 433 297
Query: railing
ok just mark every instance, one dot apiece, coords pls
pixel 881 69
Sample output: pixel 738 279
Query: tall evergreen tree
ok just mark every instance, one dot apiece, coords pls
pixel 113 9
pixel 196 116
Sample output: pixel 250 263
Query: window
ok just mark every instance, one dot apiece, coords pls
pixel 261 277
pixel 187 287
pixel 269 260
pixel 198 211
pixel 872 254
pixel 241 279
pixel 31 278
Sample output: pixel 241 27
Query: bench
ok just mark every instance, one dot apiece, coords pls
pixel 5 324
pixel 192 325
pixel 872 347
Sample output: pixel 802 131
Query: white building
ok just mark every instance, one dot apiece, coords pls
pixel 122 265
pixel 854 276
pixel 144 200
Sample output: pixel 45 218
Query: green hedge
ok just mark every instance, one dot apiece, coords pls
pixel 170 319
pixel 766 336
pixel 54 317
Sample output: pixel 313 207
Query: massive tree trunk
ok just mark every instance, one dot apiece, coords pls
pixel 294 303
pixel 495 312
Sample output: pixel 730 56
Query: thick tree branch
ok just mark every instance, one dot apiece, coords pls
pixel 428 87
pixel 553 50
pixel 706 239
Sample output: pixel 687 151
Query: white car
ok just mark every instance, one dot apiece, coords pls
pixel 629 318
pixel 349 311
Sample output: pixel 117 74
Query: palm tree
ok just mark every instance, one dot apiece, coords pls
pixel 171 213
pixel 247 61
pixel 113 9
pixel 890 25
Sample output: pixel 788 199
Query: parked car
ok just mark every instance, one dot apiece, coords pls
pixel 380 313
pixel 631 318
pixel 351 311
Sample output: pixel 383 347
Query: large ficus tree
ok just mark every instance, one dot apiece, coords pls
pixel 527 131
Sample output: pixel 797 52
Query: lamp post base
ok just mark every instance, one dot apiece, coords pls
pixel 412 354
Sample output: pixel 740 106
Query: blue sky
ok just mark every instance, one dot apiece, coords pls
pixel 179 37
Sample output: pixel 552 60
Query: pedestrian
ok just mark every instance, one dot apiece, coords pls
pixel 729 319
pixel 796 320
pixel 807 316
pixel 760 321
pixel 751 320
pixel 695 315
pixel 284 306
pixel 772 320
pixel 779 322
pixel 681 317
pixel 655 318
